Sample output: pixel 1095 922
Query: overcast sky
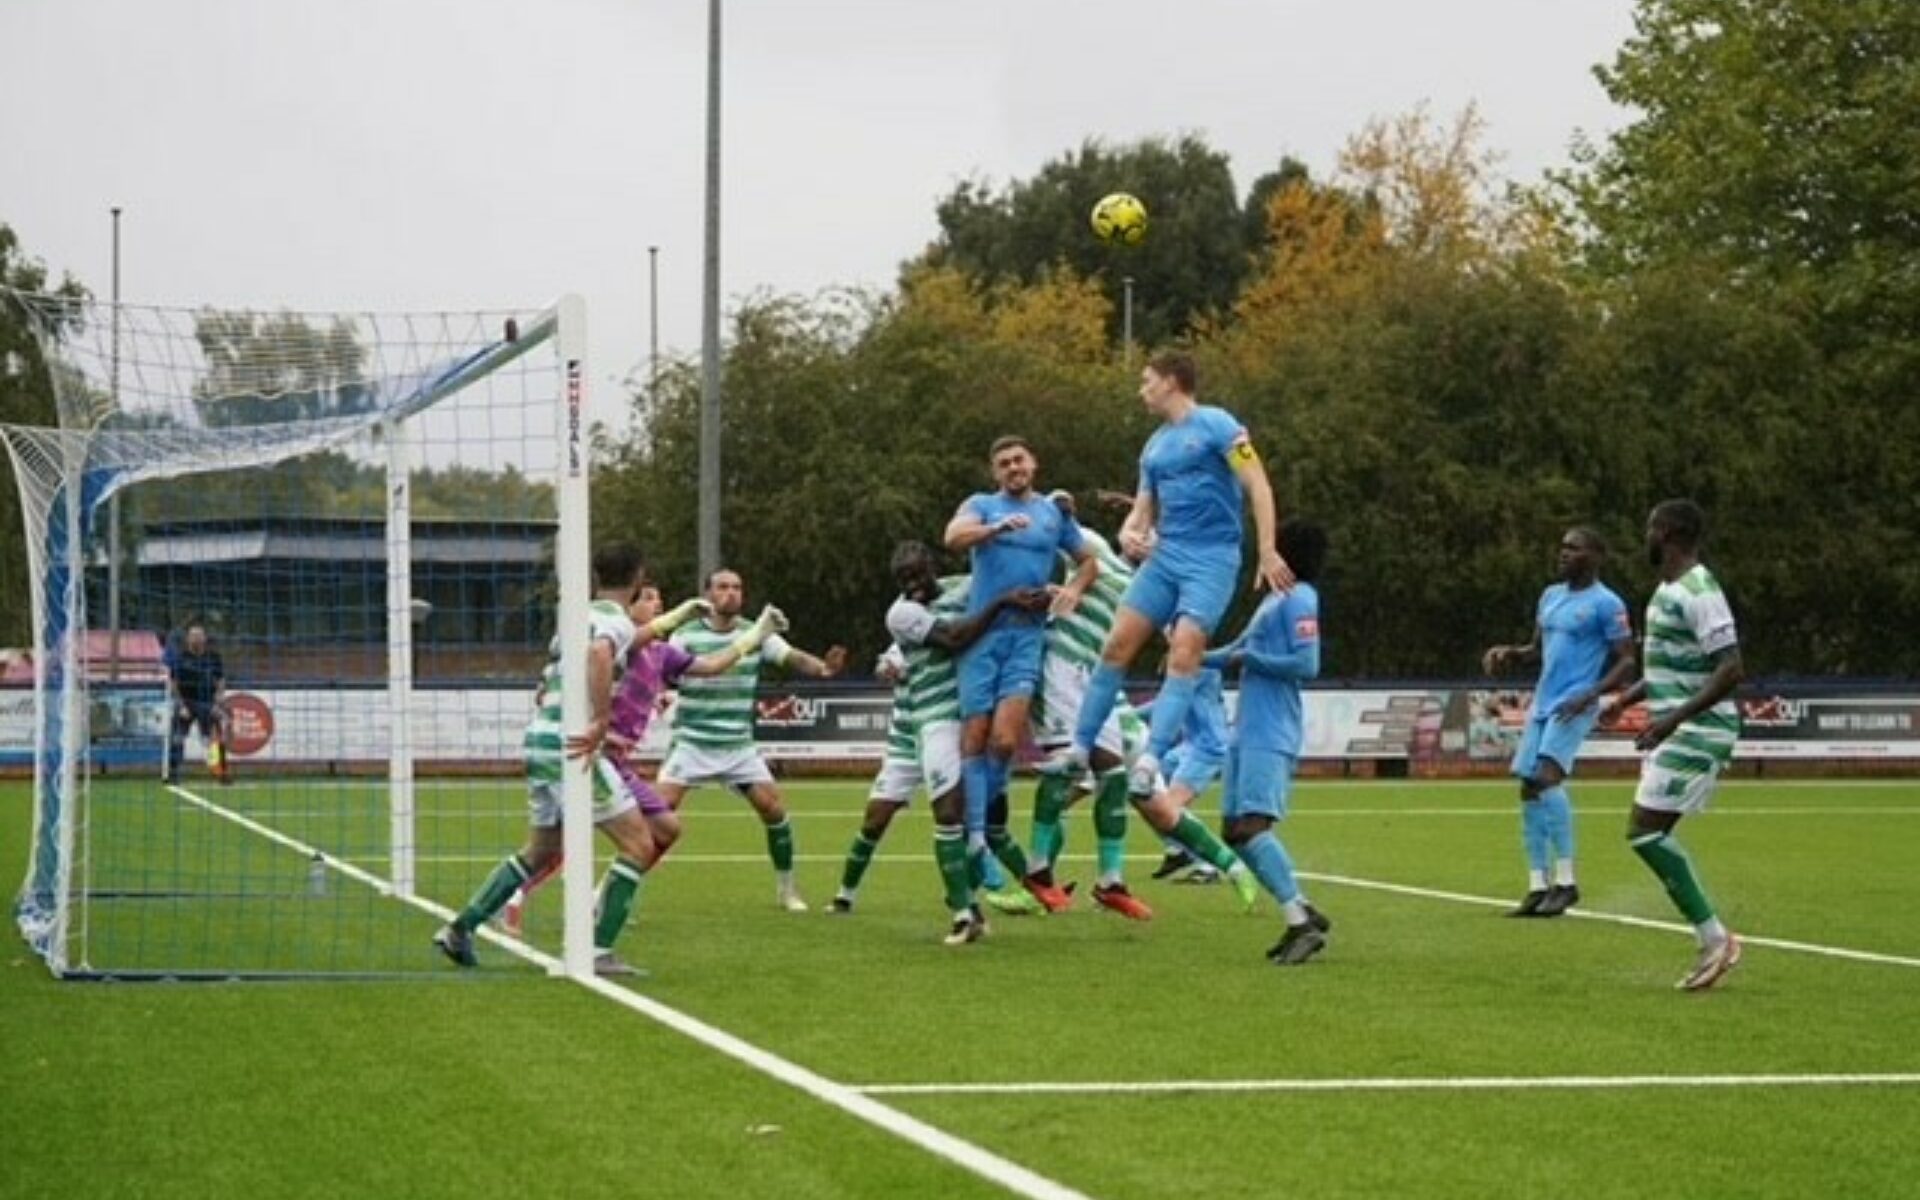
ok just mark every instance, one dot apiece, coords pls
pixel 398 154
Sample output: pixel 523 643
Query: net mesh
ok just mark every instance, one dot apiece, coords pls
pixel 357 514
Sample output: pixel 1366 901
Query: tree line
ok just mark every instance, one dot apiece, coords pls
pixel 1446 368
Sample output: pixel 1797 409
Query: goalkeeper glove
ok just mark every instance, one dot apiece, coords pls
pixel 674 618
pixel 771 621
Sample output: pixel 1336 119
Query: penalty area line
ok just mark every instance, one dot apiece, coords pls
pixel 1460 1084
pixel 982 1162
pixel 1401 889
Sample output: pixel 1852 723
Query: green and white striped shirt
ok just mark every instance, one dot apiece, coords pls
pixel 544 742
pixel 933 678
pixel 715 712
pixel 1688 622
pixel 902 746
pixel 1079 636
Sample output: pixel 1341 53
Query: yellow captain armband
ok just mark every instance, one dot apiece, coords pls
pixel 1242 453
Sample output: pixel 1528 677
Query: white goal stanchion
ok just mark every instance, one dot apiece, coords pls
pixel 373 524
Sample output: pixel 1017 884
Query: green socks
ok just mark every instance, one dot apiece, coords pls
pixel 1008 851
pixel 780 844
pixel 617 893
pixel 1049 801
pixel 950 854
pixel 1110 825
pixel 859 855
pixel 1670 862
pixel 493 895
pixel 1206 847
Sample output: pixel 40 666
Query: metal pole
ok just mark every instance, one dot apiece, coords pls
pixel 1126 319
pixel 113 503
pixel 709 520
pixel 653 324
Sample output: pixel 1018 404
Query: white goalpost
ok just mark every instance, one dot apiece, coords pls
pixel 351 540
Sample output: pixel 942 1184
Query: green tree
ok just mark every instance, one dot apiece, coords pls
pixel 1767 200
pixel 26 398
pixel 1193 259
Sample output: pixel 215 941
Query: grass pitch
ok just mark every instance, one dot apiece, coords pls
pixel 1079 1046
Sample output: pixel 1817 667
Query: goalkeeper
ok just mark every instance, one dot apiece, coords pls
pixel 196 690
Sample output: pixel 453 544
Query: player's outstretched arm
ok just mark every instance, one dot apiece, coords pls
pixel 1728 671
pixel 1621 664
pixel 664 624
pixel 967 529
pixel 955 636
pixel 1499 658
pixel 1136 532
pixel 1086 569
pixel 1274 573
pixel 1301 663
pixel 770 622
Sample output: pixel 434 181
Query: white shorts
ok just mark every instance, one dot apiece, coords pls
pixel 1063 689
pixel 1665 790
pixel 897 781
pixel 690 766
pixel 610 797
pixel 940 757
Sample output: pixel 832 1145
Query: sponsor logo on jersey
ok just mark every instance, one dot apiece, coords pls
pixel 1306 629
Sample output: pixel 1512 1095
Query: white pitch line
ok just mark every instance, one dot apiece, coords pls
pixel 990 1166
pixel 1402 889
pixel 1462 1084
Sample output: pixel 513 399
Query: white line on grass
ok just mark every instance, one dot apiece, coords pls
pixel 1402 889
pixel 1463 1084
pixel 1004 1172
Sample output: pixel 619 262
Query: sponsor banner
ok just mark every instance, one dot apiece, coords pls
pixel 1774 724
pixel 128 725
pixel 1402 723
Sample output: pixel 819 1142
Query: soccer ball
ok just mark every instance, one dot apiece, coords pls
pixel 1120 219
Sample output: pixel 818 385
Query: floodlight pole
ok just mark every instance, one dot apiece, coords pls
pixel 709 518
pixel 653 322
pixel 113 502
pixel 1126 320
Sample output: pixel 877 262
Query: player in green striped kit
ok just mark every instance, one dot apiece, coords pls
pixel 929 623
pixel 1072 652
pixel 619 576
pixel 1689 668
pixel 713 722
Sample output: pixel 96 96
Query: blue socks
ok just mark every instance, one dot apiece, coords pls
pixel 1558 820
pixel 1169 712
pixel 1268 860
pixel 1103 689
pixel 1533 833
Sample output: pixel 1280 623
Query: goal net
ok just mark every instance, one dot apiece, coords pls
pixel 293 577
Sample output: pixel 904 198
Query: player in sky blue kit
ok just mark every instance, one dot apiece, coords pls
pixel 1279 649
pixel 1013 536
pixel 1583 641
pixel 1196 472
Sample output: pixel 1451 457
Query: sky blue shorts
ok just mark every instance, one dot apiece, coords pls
pixel 1194 771
pixel 1550 737
pixel 1196 584
pixel 1004 663
pixel 1259 784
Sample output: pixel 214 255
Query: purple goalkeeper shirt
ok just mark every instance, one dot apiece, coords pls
pixel 651 670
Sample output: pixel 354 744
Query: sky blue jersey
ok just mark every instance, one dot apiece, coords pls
pixel 1021 558
pixel 1577 632
pixel 1279 650
pixel 1187 469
